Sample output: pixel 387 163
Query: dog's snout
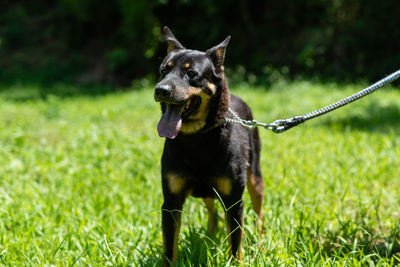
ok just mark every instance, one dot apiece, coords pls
pixel 163 92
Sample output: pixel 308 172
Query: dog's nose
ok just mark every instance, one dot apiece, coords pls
pixel 162 92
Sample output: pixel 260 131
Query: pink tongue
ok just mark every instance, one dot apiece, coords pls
pixel 170 122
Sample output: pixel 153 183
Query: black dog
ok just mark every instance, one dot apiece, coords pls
pixel 204 156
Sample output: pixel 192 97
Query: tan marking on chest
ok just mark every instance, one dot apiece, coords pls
pixel 224 185
pixel 202 112
pixel 197 120
pixel 190 127
pixel 175 183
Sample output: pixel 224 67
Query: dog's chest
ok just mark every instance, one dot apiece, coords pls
pixel 201 157
pixel 205 167
pixel 199 186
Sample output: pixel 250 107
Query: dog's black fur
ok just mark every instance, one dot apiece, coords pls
pixel 204 156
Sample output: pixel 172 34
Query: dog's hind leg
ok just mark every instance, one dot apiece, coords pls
pixel 255 185
pixel 212 215
pixel 255 182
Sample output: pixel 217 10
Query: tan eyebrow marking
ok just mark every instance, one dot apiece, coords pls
pixel 170 64
pixel 187 65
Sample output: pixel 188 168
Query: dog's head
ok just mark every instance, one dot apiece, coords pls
pixel 189 80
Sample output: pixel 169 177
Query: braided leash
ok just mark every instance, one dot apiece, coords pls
pixel 279 126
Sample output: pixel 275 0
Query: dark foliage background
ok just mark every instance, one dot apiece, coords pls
pixel 89 41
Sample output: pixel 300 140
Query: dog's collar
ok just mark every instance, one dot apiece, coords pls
pixel 212 127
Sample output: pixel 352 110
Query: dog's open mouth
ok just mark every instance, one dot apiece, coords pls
pixel 171 120
pixel 191 106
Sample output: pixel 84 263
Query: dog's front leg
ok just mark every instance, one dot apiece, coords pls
pixel 171 223
pixel 234 217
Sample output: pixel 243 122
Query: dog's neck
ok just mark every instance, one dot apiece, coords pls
pixel 219 104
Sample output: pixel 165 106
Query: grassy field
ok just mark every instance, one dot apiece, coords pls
pixel 80 181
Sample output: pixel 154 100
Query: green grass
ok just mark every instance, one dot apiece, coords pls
pixel 80 181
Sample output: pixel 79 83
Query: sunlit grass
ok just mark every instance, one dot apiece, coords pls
pixel 80 181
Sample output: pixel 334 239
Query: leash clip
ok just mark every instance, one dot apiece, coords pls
pixel 280 126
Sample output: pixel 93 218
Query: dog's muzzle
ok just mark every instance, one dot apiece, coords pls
pixel 163 92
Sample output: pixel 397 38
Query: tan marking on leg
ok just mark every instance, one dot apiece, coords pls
pixel 212 215
pixel 240 255
pixel 224 185
pixel 255 185
pixel 176 237
pixel 177 216
pixel 228 228
pixel 175 183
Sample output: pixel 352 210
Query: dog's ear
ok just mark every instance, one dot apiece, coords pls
pixel 173 43
pixel 217 53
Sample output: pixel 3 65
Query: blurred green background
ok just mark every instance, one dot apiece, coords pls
pixel 80 153
pixel 117 42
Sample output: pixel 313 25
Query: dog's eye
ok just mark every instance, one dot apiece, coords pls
pixel 191 74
